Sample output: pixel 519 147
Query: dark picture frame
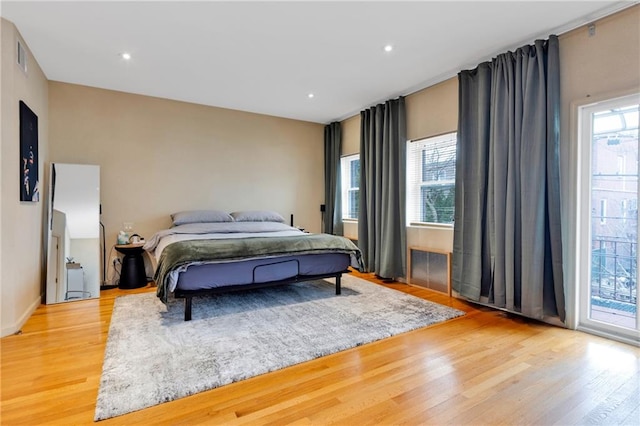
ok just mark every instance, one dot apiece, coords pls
pixel 29 173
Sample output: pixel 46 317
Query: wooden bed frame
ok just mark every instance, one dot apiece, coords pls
pixel 189 294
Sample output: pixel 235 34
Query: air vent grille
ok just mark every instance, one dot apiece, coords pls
pixel 21 57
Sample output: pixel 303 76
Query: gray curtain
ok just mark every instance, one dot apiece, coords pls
pixel 381 218
pixel 507 239
pixel 332 216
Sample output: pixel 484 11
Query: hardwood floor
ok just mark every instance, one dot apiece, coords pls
pixel 487 367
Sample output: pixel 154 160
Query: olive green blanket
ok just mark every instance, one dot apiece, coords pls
pixel 181 254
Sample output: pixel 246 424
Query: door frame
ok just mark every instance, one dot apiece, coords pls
pixel 579 261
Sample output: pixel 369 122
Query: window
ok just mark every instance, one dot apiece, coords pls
pixel 431 173
pixel 621 165
pixel 350 170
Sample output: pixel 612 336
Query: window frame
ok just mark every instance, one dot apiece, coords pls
pixel 346 186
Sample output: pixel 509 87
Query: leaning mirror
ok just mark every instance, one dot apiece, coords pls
pixel 73 265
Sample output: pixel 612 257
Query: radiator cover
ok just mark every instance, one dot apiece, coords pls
pixel 429 268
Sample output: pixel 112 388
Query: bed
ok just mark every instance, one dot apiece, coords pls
pixel 210 251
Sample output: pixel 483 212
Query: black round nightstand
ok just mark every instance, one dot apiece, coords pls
pixel 133 274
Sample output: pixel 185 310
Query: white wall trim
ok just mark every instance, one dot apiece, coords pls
pixel 430 225
pixel 15 327
pixel 612 336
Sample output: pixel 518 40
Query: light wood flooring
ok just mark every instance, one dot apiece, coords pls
pixel 487 367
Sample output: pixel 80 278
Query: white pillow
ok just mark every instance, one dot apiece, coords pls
pixel 257 216
pixel 200 216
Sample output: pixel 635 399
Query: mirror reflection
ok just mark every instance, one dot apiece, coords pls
pixel 73 266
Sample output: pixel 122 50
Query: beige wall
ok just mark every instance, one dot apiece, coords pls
pixel 158 156
pixel 351 145
pixel 21 224
pixel 430 112
pixel 593 68
pixel 351 135
pixel 433 111
pixel 608 62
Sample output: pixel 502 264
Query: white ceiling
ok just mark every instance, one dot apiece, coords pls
pixel 266 57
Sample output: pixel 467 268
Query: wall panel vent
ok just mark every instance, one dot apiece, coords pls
pixel 429 268
pixel 21 57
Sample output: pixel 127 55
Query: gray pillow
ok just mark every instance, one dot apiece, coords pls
pixel 257 216
pixel 200 216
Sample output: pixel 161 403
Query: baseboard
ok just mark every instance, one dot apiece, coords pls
pixel 15 327
pixel 612 336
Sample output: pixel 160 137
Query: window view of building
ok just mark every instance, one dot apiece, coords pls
pixel 350 172
pixel 614 223
pixel 431 172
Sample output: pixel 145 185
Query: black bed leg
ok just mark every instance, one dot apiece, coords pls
pixel 187 308
pixel 338 289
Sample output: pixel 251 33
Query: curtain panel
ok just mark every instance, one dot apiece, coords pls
pixel 332 218
pixel 507 234
pixel 381 217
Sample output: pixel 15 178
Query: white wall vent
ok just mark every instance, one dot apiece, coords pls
pixel 21 57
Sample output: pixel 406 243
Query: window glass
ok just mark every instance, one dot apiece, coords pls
pixel 431 172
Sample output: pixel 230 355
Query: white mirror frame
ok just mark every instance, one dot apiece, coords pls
pixel 73 259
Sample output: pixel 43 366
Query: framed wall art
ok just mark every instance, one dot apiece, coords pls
pixel 29 188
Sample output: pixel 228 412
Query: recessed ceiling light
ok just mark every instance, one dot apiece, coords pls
pixel 388 48
pixel 126 56
pixel 310 95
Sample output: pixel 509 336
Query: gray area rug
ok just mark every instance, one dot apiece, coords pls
pixel 153 356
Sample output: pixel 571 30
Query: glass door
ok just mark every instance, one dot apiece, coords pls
pixel 609 216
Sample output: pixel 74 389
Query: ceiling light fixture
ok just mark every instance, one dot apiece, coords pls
pixel 388 48
pixel 126 56
pixel 310 95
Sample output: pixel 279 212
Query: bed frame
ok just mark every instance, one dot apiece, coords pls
pixel 188 295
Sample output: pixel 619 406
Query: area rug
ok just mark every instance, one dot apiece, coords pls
pixel 154 356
